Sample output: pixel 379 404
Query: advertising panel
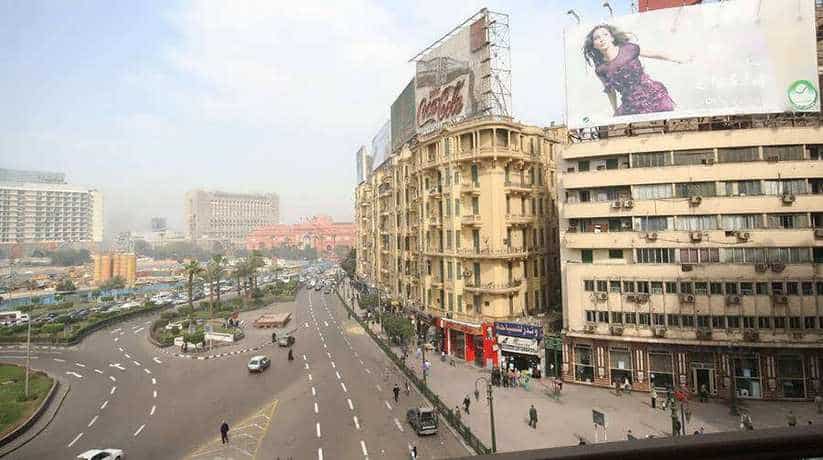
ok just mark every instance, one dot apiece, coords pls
pixel 518 345
pixel 448 78
pixel 381 145
pixel 402 116
pixel 526 331
pixel 158 224
pixel 737 57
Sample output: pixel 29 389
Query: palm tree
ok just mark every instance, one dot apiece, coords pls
pixel 219 261
pixel 214 271
pixel 193 268
pixel 239 274
pixel 253 263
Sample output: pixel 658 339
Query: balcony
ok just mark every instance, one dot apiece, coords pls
pixel 471 187
pixel 493 288
pixel 435 221
pixel 520 219
pixel 500 253
pixel 435 192
pixel 519 186
pixel 436 281
pixel 473 220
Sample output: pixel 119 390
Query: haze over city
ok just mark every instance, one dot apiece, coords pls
pixel 145 100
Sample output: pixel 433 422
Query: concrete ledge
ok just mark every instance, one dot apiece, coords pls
pixel 17 432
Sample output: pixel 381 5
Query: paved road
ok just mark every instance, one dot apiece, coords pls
pixel 125 393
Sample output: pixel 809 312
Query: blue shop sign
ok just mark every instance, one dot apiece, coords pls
pixel 526 331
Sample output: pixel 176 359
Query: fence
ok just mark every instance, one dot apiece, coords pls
pixel 445 412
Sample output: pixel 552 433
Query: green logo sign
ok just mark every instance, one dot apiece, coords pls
pixel 802 94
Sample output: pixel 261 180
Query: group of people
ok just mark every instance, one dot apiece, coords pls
pixel 511 377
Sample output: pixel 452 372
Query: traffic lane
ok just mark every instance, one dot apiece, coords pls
pixel 372 361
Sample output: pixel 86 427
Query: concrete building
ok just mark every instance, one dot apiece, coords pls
pixel 459 227
pixel 228 217
pixel 48 212
pixel 318 232
pixel 108 266
pixel 19 176
pixel 364 162
pixel 694 257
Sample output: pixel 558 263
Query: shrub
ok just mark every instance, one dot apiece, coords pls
pixel 52 328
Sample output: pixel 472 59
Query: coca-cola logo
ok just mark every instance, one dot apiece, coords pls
pixel 441 104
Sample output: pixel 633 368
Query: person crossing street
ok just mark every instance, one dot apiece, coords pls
pixel 533 417
pixel 396 391
pixel 466 402
pixel 224 432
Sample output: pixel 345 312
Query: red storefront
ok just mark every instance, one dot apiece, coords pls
pixel 471 342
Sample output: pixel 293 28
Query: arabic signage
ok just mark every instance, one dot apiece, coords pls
pixel 526 331
pixel 518 345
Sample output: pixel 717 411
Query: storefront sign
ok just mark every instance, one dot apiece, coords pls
pixel 462 327
pixel 526 331
pixel 518 345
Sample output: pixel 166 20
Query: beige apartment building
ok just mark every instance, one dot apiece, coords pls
pixel 691 255
pixel 460 227
pixel 214 216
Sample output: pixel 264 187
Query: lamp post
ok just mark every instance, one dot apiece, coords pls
pixel 491 408
pixel 28 355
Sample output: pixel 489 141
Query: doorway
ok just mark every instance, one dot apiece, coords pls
pixel 703 376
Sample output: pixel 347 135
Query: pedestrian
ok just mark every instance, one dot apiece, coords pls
pixel 746 422
pixel 457 413
pixel 414 452
pixel 630 435
pixel 791 419
pixel 533 417
pixel 466 403
pixel 617 388
pixel 504 377
pixel 654 398
pixel 818 401
pixel 224 432
pixel 704 393
pixel 408 388
pixel 396 391
pixel 627 386
pixel 291 355
pixel 476 395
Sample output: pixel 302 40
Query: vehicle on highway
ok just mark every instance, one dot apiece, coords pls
pixel 259 363
pixel 423 420
pixel 10 318
pixel 102 454
pixel 285 341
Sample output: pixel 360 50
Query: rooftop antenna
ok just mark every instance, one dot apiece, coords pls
pixel 608 7
pixel 576 16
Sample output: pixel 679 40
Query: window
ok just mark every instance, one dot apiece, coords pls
pixel 806 288
pixel 591 316
pixel 787 221
pixel 701 288
pixel 659 319
pixel 692 157
pixel 614 286
pixel 792 288
pixel 603 317
pixel 762 288
pixel 810 322
pixel 687 320
pixel 748 322
pixel 699 256
pixel 615 253
pixel 657 287
pixel 764 322
pixel 583 363
pixel 583 165
pixel 780 322
pixel 686 287
pixel 741 222
pixel 703 321
pixel 737 154
pixel 588 285
pixel 733 322
pixel 783 152
pixel 778 187
pixel 628 286
pixel 777 288
pixel 689 189
pixel 651 224
pixel 746 288
pixel 671 287
pixel 617 317
pixel 651 192
pixel 655 256
pixel 630 318
pixel 644 319
pixel 673 320
pixel 731 288
pixel 587 256
pixel 602 286
pixel 650 160
pixel 744 188
pixel 643 287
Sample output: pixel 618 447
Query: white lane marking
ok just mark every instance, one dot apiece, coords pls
pixel 307 365
pixel 136 363
pixel 324 345
pixel 103 406
pixel 152 410
pixel 112 378
pixel 344 387
pixel 79 364
pixel 319 453
pixel 153 381
pixel 398 425
pixel 74 374
pixel 307 325
pixel 117 366
pixel 328 354
pixel 356 423
pixel 113 389
pixel 146 369
pixel 94 419
pixel 98 371
pixel 379 388
pixel 116 339
pixel 75 439
pixel 338 375
pixel 361 362
pixel 120 348
pixel 356 355
pixel 137 331
pixel 157 360
pixel 332 365
pixel 309 377
pixel 128 356
pixel 116 330
pixel 368 371
pixel 304 357
pixel 313 391
pixel 318 429
pixel 388 406
pixel 316 409
pixel 325 323
pixel 139 430
pixel 363 446
pixel 154 394
pixel 351 406
pixel 61 361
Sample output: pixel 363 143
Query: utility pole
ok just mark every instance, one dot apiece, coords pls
pixel 490 397
pixel 28 355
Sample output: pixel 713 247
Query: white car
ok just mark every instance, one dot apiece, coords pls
pixel 102 454
pixel 259 363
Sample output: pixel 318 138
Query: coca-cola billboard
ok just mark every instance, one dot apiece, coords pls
pixel 447 78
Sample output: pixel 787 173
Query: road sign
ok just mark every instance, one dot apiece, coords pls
pixel 599 418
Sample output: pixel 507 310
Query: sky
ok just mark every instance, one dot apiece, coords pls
pixel 145 100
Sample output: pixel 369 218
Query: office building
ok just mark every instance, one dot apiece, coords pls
pixel 214 216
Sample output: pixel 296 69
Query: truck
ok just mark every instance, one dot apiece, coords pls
pixel 423 420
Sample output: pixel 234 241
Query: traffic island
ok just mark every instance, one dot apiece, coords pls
pixel 18 412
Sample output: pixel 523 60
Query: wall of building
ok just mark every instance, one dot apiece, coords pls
pixel 228 217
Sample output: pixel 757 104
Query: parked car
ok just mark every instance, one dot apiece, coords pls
pixel 423 420
pixel 102 454
pixel 258 363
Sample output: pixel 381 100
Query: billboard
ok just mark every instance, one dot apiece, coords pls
pixel 449 77
pixel 364 163
pixel 738 57
pixel 402 117
pixel 158 224
pixel 381 144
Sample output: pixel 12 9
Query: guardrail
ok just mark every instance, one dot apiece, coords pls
pixel 445 412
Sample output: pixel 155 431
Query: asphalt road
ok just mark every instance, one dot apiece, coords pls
pixel 334 404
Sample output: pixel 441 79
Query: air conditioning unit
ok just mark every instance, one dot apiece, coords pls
pixel 708 161
pixel 695 200
pixel 772 158
pixel 732 300
pixel 780 299
pixel 686 298
pixel 703 333
pixel 696 236
pixel 686 267
pixel 602 296
pixel 651 236
pixel 631 298
pixel 751 335
pixel 788 198
pixel 615 329
pixel 641 298
pixel 743 236
pixel 778 267
pixel 617 204
pixel 589 328
pixel 628 204
pixel 761 267
pixel 659 331
pixel 818 233
pixel 572 229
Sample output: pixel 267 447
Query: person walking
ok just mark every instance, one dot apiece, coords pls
pixel 466 403
pixel 457 413
pixel 704 393
pixel 396 391
pixel 224 432
pixel 291 355
pixel 791 419
pixel 654 398
pixel 408 388
pixel 818 401
pixel 533 417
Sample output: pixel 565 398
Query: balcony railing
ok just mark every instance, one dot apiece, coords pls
pixel 493 253
pixel 493 288
pixel 472 219
pixel 520 218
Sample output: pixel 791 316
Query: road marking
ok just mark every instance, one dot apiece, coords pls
pixel 363 446
pixel 325 324
pixel 98 371
pixel 117 366
pixel 356 423
pixel 146 369
pixel 120 348
pixel 79 364
pixel 332 365
pixel 75 439
pixel 116 339
pixel 361 362
pixel 351 406
pixel 139 430
pixel 155 407
pixel 136 363
pixel 356 355
pixel 388 406
pixel 397 423
pixel 304 358
pixel 112 378
pixel 93 420
pixel 318 429
pixel 307 365
pixel 319 453
pixel 338 375
pixel 60 361
pixel 103 406
pixel 313 391
pixel 157 360
pixel 128 356
pixel 344 387
pixel 328 354
pixel 154 394
pixel 324 345
pixel 137 331
pixel 117 330
pixel 379 388
pixel 316 410
pixel 307 325
pixel 153 381
pixel 113 389
pixel 74 374
pixel 309 377
pixel 368 371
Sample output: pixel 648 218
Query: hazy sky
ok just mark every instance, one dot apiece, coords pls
pixel 145 100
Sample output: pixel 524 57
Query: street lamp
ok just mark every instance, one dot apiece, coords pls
pixel 608 7
pixel 491 408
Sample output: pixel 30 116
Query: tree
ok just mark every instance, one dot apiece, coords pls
pixel 66 285
pixel 219 261
pixel 398 327
pixel 116 282
pixel 348 264
pixel 193 268
pixel 214 273
pixel 239 274
pixel 67 257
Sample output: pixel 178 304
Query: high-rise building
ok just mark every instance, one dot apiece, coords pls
pixel 213 216
pixel 364 163
pixel 460 228
pixel 38 208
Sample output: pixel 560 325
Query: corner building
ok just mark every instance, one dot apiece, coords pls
pixel 691 255
pixel 459 227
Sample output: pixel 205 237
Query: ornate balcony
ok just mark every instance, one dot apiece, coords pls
pixel 473 220
pixel 520 219
pixel 520 186
pixel 500 253
pixel 493 288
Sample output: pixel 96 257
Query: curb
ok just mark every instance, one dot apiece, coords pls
pixel 20 430
pixel 220 355
pixel 59 405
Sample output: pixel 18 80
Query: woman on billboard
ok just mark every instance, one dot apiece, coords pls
pixel 616 61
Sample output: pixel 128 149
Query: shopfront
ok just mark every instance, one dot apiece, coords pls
pixel 471 342
pixel 520 345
